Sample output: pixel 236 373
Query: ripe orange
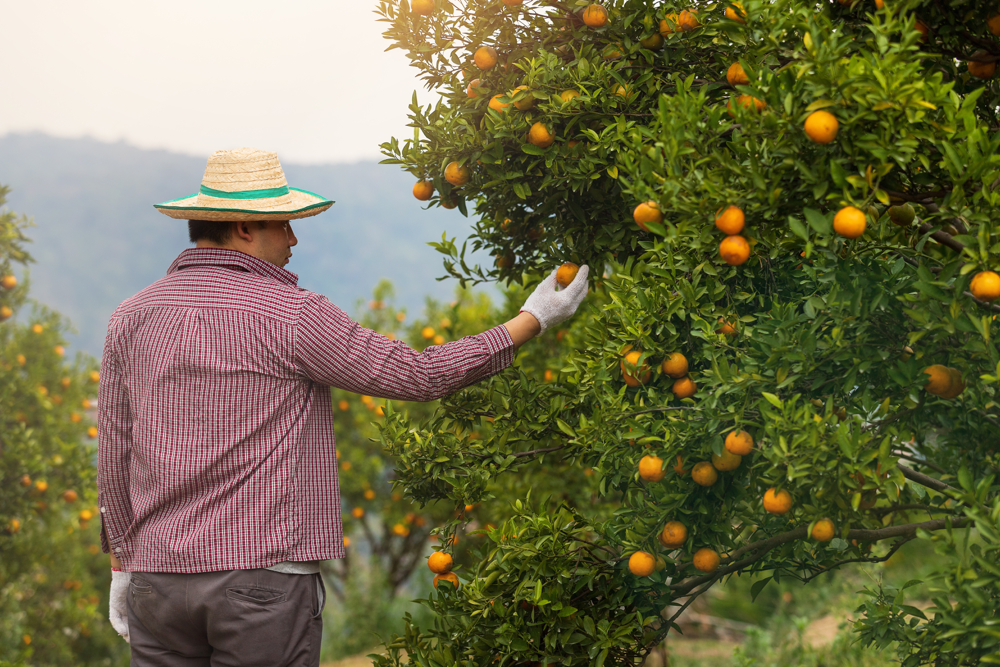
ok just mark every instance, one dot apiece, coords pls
pixel 457 174
pixel 746 101
pixel 849 222
pixel 730 220
pixel 448 202
pixel 704 473
pixel 706 560
pixel 939 381
pixel 422 7
pixel 439 562
pixel 25 480
pixel 470 90
pixel 646 212
pixel 777 502
pixel 726 461
pixel 922 28
pixel 427 332
pixel 505 261
pixel 512 3
pixel 8 282
pixel 14 526
pixel 641 564
pixel 612 52
pixel 993 23
pixel 901 214
pixel 684 388
pixel 957 384
pixel 497 104
pixel 688 20
pixel 485 57
pixel 624 92
pixel 726 328
pixel 539 135
pixel 639 374
pixel 568 95
pixel 673 535
pixel 566 273
pixel 676 365
pixel 86 515
pixel 823 530
pixel 448 576
pixel 985 286
pixel 734 250
pixel 879 4
pixel 982 70
pixel 679 466
pixel 736 75
pixel 5 313
pixel 92 432
pixel 423 190
pixel 651 468
pixel 653 42
pixel 669 25
pixel 358 512
pixel 69 495
pixel 822 126
pixel 736 13
pixel 595 16
pixel 739 443
pixel 526 99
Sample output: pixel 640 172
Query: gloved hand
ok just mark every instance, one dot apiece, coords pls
pixel 551 307
pixel 118 602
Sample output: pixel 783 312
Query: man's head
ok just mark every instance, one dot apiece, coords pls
pixel 270 240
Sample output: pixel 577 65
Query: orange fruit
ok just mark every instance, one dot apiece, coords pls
pixel 993 23
pixel 86 515
pixel 981 70
pixel 726 328
pixel 512 3
pixel 684 388
pixel 358 512
pixel 939 381
pixel 747 102
pixel 651 468
pixel 427 332
pixel 823 530
pixel 525 101
pixel 673 535
pixel 902 215
pixel 422 7
pixel 69 495
pixel 92 432
pixel 821 126
pixel 957 384
pixel 706 560
pixel 736 75
pixel 641 564
pixel 704 473
pixel 8 282
pixel 653 42
pixel 739 443
pixel 505 261
pixel 595 16
pixel 25 480
pixel 566 273
pixel 726 461
pixel 448 576
pixel 669 25
pixel 470 90
pixel 612 52
pixel 777 502
pixel 457 174
pixel 734 250
pixel 688 20
pixel 985 286
pixel 623 91
pixel 676 365
pixel 648 211
pixel 849 222
pixel 439 562
pixel 497 104
pixel 730 220
pixel 5 313
pixel 548 375
pixel 568 95
pixel 485 57
pixel 922 28
pixel 679 466
pixel 640 374
pixel 735 13
pixel 423 190
pixel 879 4
pixel 540 136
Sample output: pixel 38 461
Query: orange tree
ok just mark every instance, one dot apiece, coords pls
pixel 53 577
pixel 790 363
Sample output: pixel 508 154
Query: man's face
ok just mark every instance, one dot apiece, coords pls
pixel 273 242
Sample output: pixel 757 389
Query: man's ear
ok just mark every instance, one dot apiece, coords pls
pixel 242 230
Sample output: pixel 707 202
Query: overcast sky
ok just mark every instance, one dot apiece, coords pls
pixel 307 78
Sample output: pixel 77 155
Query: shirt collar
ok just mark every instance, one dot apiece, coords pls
pixel 233 259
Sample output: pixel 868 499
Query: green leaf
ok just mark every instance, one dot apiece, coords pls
pixel 772 399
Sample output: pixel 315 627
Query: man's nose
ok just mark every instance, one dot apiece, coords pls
pixel 292 240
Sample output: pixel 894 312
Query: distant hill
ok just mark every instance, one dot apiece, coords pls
pixel 98 239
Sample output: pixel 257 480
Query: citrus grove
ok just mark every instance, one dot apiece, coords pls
pixel 53 577
pixel 788 360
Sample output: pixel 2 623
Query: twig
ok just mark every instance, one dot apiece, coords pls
pixel 924 480
pixel 877 559
pixel 926 464
pixel 643 412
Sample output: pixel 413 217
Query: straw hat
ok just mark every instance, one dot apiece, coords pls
pixel 245 184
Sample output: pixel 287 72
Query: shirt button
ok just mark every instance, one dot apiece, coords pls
pixel 117 550
pixel 103 510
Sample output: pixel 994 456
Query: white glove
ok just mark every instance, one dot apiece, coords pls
pixel 551 307
pixel 118 602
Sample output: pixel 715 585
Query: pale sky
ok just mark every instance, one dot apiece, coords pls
pixel 306 78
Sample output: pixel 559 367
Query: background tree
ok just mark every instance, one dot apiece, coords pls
pixel 837 392
pixel 53 577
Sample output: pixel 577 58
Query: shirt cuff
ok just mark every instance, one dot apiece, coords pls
pixel 501 348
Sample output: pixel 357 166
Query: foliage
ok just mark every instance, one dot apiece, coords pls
pixel 53 579
pixel 828 335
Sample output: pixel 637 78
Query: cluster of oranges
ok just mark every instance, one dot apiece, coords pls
pixel 8 283
pixel 674 366
pixel 440 563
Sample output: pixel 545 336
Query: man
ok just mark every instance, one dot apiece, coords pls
pixel 217 471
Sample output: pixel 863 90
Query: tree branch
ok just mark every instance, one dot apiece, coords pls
pixel 864 559
pixel 924 480
pixel 944 238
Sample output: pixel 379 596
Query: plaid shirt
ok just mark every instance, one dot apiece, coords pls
pixel 216 444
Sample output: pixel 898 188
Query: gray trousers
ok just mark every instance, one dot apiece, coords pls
pixel 237 618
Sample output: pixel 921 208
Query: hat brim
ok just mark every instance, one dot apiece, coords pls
pixel 301 204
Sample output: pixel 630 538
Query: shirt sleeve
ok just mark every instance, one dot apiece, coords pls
pixel 114 446
pixel 334 350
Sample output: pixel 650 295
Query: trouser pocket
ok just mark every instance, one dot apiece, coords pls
pixel 320 596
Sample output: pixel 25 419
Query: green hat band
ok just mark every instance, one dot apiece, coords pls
pixel 268 193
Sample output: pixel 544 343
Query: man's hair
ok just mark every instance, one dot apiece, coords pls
pixel 218 232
